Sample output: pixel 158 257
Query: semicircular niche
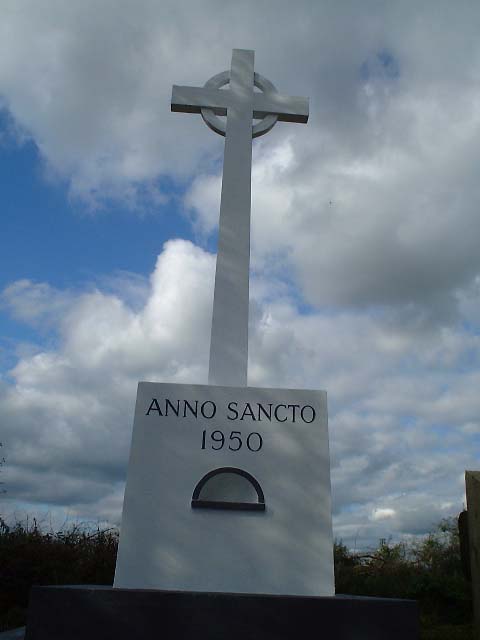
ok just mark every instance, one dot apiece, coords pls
pixel 228 488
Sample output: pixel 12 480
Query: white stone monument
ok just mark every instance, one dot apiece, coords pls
pixel 228 486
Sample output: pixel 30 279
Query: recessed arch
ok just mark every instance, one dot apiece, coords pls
pixel 228 488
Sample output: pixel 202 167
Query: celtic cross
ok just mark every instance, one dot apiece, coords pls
pixel 241 104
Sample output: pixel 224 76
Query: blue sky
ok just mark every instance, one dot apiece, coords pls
pixel 43 228
pixel 48 236
pixel 365 273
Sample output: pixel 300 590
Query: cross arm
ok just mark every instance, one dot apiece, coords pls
pixel 287 108
pixel 193 99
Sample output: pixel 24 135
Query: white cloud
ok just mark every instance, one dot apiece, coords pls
pixel 66 413
pixel 364 238
pixel 393 229
pixel 34 303
pixel 399 440
pixel 92 83
pixel 383 514
pixel 374 202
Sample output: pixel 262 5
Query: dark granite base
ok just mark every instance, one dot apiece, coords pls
pixel 103 613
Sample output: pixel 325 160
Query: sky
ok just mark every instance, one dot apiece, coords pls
pixel 365 269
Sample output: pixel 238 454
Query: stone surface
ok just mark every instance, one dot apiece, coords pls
pixel 103 613
pixel 277 538
pixel 472 481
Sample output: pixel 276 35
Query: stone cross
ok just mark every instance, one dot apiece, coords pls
pixel 240 103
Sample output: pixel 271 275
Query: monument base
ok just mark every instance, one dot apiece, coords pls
pixel 104 613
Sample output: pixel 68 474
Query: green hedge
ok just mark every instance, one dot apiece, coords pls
pixel 29 556
pixel 429 571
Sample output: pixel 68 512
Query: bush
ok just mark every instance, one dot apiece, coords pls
pixel 429 571
pixel 29 556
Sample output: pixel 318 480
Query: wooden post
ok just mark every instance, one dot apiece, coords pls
pixel 472 482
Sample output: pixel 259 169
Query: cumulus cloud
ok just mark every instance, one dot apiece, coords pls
pixel 364 238
pixel 402 409
pixel 393 229
pixel 374 202
pixel 34 303
pixel 91 84
pixel 66 417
